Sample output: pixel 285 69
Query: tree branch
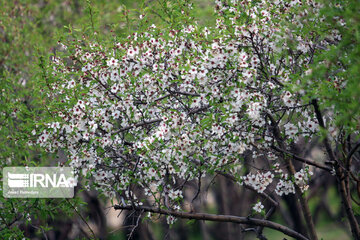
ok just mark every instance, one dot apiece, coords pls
pixel 216 218
pixel 304 160
pixel 353 150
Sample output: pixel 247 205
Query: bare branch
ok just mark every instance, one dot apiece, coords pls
pixel 217 218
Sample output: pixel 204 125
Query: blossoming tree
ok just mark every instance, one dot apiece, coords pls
pixel 142 117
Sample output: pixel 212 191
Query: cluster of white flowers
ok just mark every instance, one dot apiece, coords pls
pixel 288 99
pixel 284 187
pixel 258 207
pixel 170 219
pixel 291 130
pixel 254 110
pixel 258 181
pixel 301 179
